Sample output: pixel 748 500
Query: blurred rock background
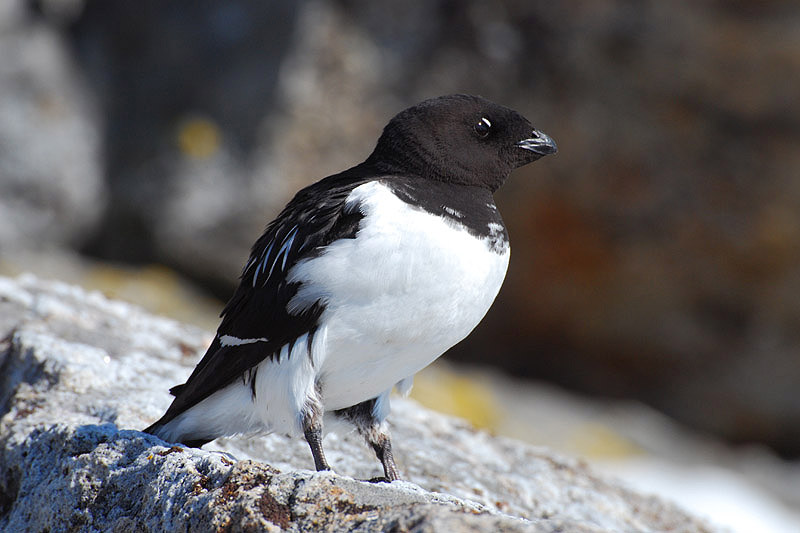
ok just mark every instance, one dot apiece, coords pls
pixel 656 257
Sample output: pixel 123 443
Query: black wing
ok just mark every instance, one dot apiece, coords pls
pixel 314 218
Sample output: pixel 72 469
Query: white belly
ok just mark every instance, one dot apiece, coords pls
pixel 408 288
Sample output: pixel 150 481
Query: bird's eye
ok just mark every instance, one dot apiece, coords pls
pixel 482 127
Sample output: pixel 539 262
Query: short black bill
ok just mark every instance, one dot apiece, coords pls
pixel 539 143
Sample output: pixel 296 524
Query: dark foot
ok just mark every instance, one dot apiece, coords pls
pixel 312 428
pixel 379 479
pixel 362 416
pixel 383 449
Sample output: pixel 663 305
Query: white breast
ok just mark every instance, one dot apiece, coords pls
pixel 410 286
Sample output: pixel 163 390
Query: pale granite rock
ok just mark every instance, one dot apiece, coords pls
pixel 79 375
pixel 52 189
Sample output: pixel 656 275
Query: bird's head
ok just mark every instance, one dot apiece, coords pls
pixel 460 139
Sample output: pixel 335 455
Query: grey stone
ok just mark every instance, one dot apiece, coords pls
pixel 79 374
pixel 51 184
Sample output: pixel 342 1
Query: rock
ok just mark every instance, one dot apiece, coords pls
pixel 51 183
pixel 188 93
pixel 79 374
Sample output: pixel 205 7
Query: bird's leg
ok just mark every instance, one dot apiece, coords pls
pixel 375 432
pixel 382 445
pixel 312 429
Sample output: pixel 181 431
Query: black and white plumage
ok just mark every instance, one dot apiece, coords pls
pixel 363 279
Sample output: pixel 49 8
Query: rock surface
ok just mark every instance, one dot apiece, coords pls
pixel 79 373
pixel 52 190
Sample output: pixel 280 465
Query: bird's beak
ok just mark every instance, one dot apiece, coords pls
pixel 539 143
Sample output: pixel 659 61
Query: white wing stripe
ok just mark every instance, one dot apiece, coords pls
pixel 230 340
pixel 284 250
pixel 262 264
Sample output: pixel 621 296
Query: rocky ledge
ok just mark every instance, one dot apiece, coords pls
pixel 80 374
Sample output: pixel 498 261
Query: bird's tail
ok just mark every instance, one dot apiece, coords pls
pixel 163 431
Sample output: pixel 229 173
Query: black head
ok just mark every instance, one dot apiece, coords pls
pixel 460 139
